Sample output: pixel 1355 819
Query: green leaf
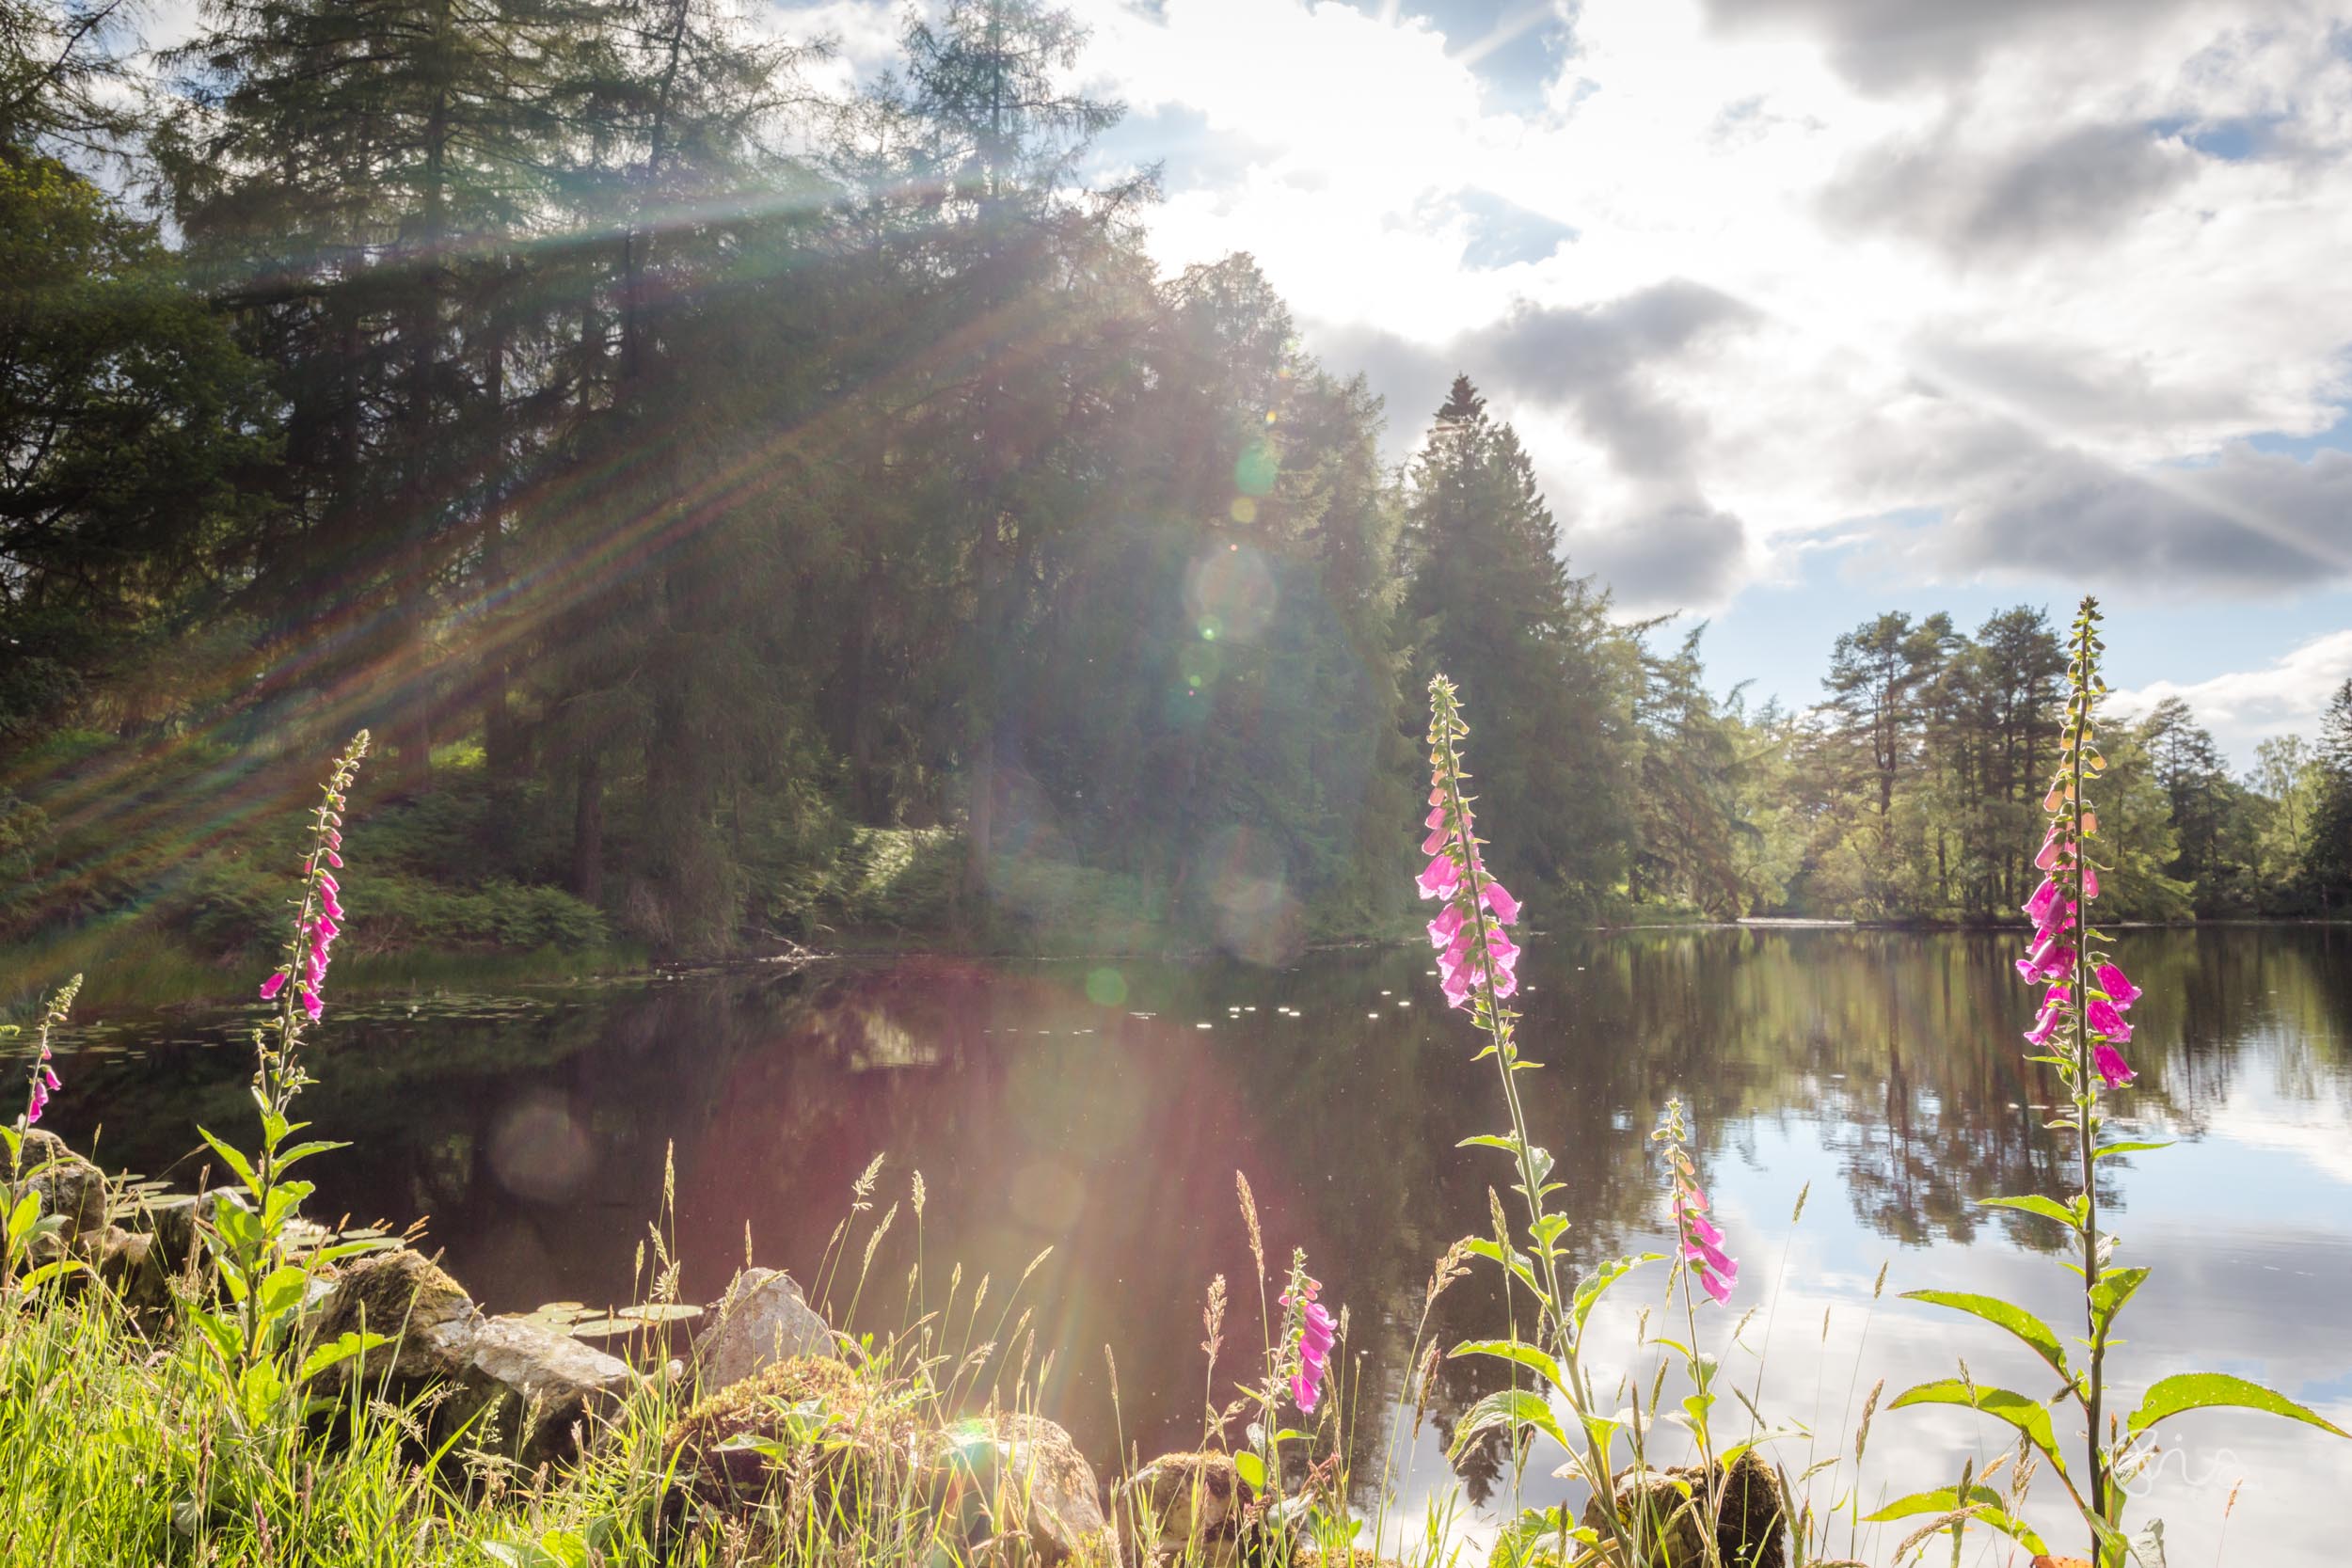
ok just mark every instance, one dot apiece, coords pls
pixel 1508 1407
pixel 1251 1469
pixel 1521 1266
pixel 2037 1335
pixel 36 1278
pixel 259 1392
pixel 237 1162
pixel 284 1200
pixel 2183 1391
pixel 22 1218
pixel 287 1158
pixel 2114 1289
pixel 342 1250
pixel 2130 1148
pixel 1947 1501
pixel 1525 1354
pixel 2026 1415
pixel 1492 1140
pixel 2033 1203
pixel 280 1293
pixel 236 1224
pixel 219 1330
pixel 1597 1283
pixel 337 1352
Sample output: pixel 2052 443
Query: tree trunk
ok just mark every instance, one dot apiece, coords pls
pixel 588 829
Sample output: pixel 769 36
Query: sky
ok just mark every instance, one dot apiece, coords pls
pixel 1808 309
pixel 1811 309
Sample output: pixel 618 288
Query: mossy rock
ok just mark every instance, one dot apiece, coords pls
pixel 1192 1508
pixel 426 1315
pixel 803 1443
pixel 811 1448
pixel 69 1186
pixel 1012 1486
pixel 1751 1530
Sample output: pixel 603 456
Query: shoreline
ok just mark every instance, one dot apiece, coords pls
pixel 130 970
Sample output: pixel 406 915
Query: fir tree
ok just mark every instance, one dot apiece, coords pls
pixel 1493 606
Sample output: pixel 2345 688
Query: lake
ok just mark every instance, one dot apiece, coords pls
pixel 1101 1108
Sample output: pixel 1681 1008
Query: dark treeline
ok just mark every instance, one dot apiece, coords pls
pixel 746 513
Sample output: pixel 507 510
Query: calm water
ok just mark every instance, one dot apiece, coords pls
pixel 1102 1110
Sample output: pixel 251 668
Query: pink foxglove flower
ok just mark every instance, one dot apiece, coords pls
pixel 2054 1012
pixel 2112 1068
pixel 44 1081
pixel 271 987
pixel 2050 960
pixel 1317 1331
pixel 2117 986
pixel 1718 1271
pixel 1442 877
pixel 2106 1022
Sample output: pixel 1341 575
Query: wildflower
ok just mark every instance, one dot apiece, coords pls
pixel 271 987
pixel 1442 877
pixel 2112 1068
pixel 44 1081
pixel 2117 986
pixel 1702 1242
pixel 2044 900
pixel 2055 850
pixel 2050 961
pixel 2054 1012
pixel 2105 1021
pixel 1316 1331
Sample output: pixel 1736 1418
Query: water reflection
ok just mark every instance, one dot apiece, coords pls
pixel 1102 1110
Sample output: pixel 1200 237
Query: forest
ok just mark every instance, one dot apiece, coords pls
pixel 751 514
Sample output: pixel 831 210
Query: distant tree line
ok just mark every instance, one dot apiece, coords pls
pixel 752 510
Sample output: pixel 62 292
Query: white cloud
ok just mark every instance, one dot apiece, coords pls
pixel 2026 263
pixel 2244 706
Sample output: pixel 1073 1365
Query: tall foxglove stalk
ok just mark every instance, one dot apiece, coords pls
pixel 44 1076
pixel 1477 962
pixel 2080 1030
pixel 248 1229
pixel 2063 923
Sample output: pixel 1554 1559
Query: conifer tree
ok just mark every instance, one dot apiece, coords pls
pixel 2328 860
pixel 1493 606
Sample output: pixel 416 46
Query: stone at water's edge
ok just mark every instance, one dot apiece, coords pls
pixel 1184 1507
pixel 538 1389
pixel 168 1217
pixel 1751 1529
pixel 541 1388
pixel 1021 1477
pixel 999 1488
pixel 428 1317
pixel 69 1185
pixel 762 1319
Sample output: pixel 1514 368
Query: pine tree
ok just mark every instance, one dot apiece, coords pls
pixel 1547 680
pixel 2328 862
